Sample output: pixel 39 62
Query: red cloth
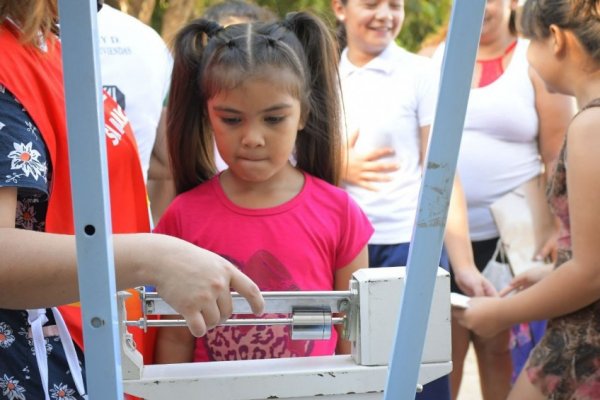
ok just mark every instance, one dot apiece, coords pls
pixel 492 69
pixel 35 78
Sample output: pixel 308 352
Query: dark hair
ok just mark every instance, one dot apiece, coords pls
pixel 209 58
pixel 238 9
pixel 582 17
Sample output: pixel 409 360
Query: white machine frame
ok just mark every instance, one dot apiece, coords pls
pixel 93 232
pixel 374 300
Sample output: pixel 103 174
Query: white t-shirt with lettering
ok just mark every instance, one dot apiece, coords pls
pixel 136 70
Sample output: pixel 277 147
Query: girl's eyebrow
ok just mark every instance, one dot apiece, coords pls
pixel 275 107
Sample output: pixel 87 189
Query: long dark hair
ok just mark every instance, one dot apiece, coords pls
pixel 582 17
pixel 209 58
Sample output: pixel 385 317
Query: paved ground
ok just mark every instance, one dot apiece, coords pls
pixel 469 389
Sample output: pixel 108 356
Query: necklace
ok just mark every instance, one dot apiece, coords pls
pixel 492 69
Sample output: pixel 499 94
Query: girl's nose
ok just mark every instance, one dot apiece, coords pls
pixel 252 137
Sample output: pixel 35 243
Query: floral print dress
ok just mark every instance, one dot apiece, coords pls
pixel 24 165
pixel 566 363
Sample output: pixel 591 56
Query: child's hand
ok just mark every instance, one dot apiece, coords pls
pixel 527 278
pixel 365 169
pixel 481 316
pixel 473 283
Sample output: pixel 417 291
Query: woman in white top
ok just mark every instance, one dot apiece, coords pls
pixel 389 98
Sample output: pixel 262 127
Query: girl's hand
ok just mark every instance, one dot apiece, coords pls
pixel 473 283
pixel 197 283
pixel 549 250
pixel 364 169
pixel 527 278
pixel 481 316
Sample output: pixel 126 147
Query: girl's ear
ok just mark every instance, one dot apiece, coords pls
pixel 339 10
pixel 559 39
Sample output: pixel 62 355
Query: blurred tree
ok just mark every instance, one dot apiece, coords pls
pixel 423 17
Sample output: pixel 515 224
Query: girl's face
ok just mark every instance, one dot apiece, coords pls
pixel 540 55
pixel 370 24
pixel 255 127
pixel 496 19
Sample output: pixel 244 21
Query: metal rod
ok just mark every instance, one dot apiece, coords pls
pixel 275 302
pixel 423 258
pixel 141 323
pixel 91 207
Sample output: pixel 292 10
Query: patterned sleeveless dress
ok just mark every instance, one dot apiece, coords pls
pixel 566 362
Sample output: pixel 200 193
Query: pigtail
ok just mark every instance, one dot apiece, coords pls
pixel 190 143
pixel 318 144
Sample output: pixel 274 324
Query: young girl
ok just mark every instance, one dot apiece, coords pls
pixel 266 93
pixel 497 155
pixel 565 52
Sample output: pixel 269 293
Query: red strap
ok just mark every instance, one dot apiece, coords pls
pixel 492 69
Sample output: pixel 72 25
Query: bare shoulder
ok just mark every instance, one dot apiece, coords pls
pixel 584 127
pixel 583 141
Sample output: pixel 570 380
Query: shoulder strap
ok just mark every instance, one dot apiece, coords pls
pixel 593 103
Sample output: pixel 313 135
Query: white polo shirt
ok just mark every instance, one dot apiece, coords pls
pixel 136 69
pixel 388 100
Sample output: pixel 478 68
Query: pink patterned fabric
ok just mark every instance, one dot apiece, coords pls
pixel 298 245
pixel 566 363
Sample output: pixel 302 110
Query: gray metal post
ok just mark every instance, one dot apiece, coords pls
pixel 89 181
pixel 423 259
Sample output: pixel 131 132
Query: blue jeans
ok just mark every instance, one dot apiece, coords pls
pixel 392 255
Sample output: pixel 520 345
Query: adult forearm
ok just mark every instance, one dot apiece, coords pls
pixel 40 269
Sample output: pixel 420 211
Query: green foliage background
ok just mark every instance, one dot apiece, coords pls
pixel 423 17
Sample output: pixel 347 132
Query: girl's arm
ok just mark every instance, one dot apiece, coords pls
pixel 456 236
pixel 39 269
pixel 174 345
pixel 161 187
pixel 576 283
pixel 458 245
pixel 342 282
pixel 554 111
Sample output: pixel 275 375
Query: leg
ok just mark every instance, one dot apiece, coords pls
pixel 495 365
pixel 460 345
pixel 524 390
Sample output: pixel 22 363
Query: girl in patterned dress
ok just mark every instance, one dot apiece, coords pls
pixel 565 51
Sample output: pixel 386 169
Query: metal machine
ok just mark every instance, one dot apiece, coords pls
pixel 368 315
pixel 415 348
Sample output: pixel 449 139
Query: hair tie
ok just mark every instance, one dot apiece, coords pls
pixel 213 29
pixel 230 43
pixel 287 23
pixel 270 41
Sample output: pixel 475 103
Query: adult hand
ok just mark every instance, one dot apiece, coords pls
pixel 473 283
pixel 197 284
pixel 365 169
pixel 527 278
pixel 481 316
